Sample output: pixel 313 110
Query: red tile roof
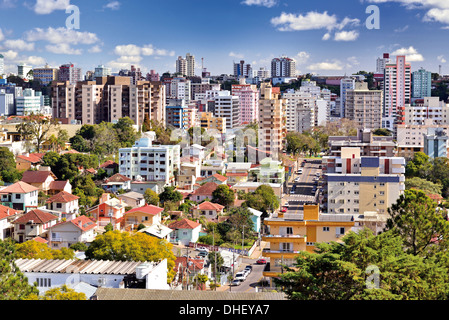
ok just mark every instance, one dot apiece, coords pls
pixel 210 206
pixel 6 212
pixel 36 215
pixel 32 157
pixel 37 176
pixel 236 174
pixel 184 224
pixel 150 209
pixel 195 265
pixel 82 222
pixel 62 197
pixel 206 189
pixel 19 187
pixel 41 240
pixel 219 177
pixel 109 164
pixel 118 178
pixel 58 185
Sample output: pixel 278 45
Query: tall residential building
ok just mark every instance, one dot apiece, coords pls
pixel 283 67
pixel 227 106
pixel 190 65
pixel 241 69
pixel 435 143
pixel 248 101
pixel 108 99
pixel 272 121
pixel 397 91
pixel 6 103
pixel 421 83
pixel 262 73
pixel 102 71
pixel 364 106
pixel 68 72
pixel 23 71
pixel 209 122
pixel 46 74
pixel 181 66
pixel 347 83
pixel 381 63
pixel 153 76
pixel 428 108
pixel 181 116
pixel 147 162
pixel 179 88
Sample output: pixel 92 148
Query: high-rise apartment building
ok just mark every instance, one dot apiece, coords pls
pixel 30 102
pixel 364 106
pixel 153 76
pixel 23 71
pixel 68 72
pixel 209 122
pixel 181 66
pixel 248 101
pixel 283 67
pixel 6 103
pixel 102 71
pixel 190 65
pixel 241 69
pixel 272 121
pixel 397 91
pixel 227 106
pixel 421 83
pixel 381 63
pixel 346 83
pixel 46 74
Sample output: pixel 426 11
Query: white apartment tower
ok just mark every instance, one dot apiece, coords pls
pixel 283 67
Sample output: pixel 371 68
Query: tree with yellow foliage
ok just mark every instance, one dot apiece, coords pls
pixel 37 250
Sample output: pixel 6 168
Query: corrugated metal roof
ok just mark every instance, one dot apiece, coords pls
pixel 77 266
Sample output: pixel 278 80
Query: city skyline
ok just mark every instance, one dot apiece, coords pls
pixel 326 38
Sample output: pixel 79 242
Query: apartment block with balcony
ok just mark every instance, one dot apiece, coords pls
pixel 364 106
pixel 147 162
pixel 290 234
pixel 211 123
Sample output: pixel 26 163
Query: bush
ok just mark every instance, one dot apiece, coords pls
pixel 79 246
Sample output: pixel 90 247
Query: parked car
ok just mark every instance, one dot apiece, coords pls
pixel 236 282
pixel 203 254
pixel 202 249
pixel 240 276
pixel 249 268
pixel 261 261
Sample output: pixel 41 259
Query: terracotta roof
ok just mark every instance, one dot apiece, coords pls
pixel 41 240
pixel 150 209
pixel 91 170
pixel 195 265
pixel 200 178
pixel 118 178
pixel 109 164
pixel 37 176
pixel 82 222
pixel 210 206
pixel 206 189
pixel 32 157
pixel 236 174
pixel 6 212
pixel 219 177
pixel 184 224
pixel 69 152
pixel 36 216
pixel 19 187
pixel 62 197
pixel 58 185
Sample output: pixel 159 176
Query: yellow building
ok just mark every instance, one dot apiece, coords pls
pixel 209 122
pixel 292 233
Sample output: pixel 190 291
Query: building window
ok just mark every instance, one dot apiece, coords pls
pixel 326 229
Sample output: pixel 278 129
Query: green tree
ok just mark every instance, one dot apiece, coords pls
pixel 61 293
pixel 126 133
pixel 223 195
pixel 13 284
pixel 170 194
pixel 8 171
pixel 151 197
pixel 423 185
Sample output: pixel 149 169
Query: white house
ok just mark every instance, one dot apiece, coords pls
pixel 108 274
pixel 66 203
pixel 20 196
pixel 6 216
pixel 64 234
pixel 33 224
pixel 185 231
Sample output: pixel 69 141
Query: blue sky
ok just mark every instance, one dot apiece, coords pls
pixel 325 37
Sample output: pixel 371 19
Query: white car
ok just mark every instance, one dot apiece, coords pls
pixel 202 249
pixel 240 277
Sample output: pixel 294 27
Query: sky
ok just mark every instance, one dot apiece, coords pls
pixel 324 37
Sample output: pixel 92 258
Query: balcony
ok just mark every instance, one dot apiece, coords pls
pixel 278 254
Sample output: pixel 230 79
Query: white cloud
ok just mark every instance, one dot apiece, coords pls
pixel 61 35
pixel 438 15
pixel 405 28
pixel 48 6
pixel 124 62
pixel 62 48
pixel 346 35
pixel 302 57
pixel 441 59
pixel 336 65
pixel 19 45
pixel 310 21
pixel 129 49
pixel 10 55
pixel 113 5
pixel 95 49
pixel 6 4
pixel 326 36
pixel 146 50
pixel 411 54
pixel 236 55
pixel 264 3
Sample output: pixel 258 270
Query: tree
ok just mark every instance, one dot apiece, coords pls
pixel 13 284
pixel 8 171
pixel 424 185
pixel 35 128
pixel 170 194
pixel 240 219
pixel 105 141
pixel 382 132
pixel 124 246
pixel 61 293
pixel 36 250
pixel 223 195
pixel 415 219
pixel 263 199
pixel 126 133
pixel 151 197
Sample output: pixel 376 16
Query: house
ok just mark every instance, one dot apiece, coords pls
pixel 49 274
pixel 58 186
pixel 209 210
pixel 116 182
pixel 40 179
pixel 187 268
pixel 146 215
pixel 142 186
pixel 64 234
pixel 237 172
pixel 6 227
pixel 109 210
pixel 217 178
pixel 248 187
pixel 32 224
pixel 204 192
pixel 110 167
pixel 64 202
pixel 158 230
pixel 20 196
pixel 132 199
pixel 29 161
pixel 185 231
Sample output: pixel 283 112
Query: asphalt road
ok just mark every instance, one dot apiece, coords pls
pixel 250 283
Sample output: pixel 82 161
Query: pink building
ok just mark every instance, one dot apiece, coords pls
pixel 248 102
